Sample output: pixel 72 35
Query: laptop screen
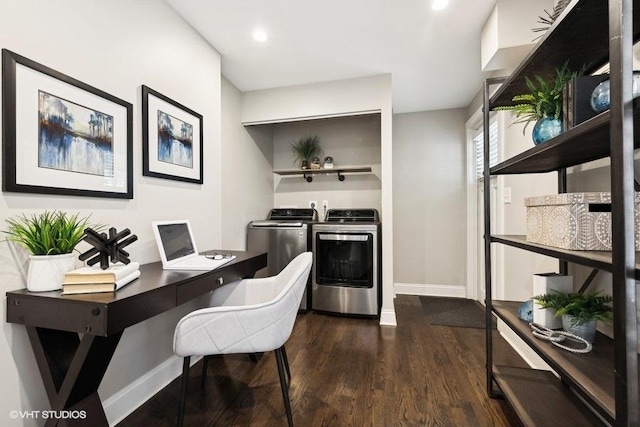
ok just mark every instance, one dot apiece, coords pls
pixel 176 240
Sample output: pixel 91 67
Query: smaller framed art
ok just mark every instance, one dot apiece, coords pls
pixel 172 139
pixel 62 136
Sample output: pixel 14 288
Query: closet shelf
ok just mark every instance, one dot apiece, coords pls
pixel 308 173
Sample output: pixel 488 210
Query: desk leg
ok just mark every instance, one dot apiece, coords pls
pixel 72 369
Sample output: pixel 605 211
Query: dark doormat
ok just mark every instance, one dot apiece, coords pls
pixel 460 312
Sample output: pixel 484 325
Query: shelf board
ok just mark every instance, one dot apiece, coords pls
pixel 602 260
pixel 344 169
pixel 590 374
pixel 539 399
pixel 583 143
pixel 580 35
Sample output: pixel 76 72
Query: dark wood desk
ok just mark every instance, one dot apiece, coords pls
pixel 73 366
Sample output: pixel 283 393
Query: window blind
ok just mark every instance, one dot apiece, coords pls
pixel 478 142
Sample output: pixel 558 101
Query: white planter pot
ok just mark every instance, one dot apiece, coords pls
pixel 46 272
pixel 586 330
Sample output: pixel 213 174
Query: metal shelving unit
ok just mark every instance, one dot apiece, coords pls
pixel 605 380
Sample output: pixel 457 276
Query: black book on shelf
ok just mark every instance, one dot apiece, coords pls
pixel 576 99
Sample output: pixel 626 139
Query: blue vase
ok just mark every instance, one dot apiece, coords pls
pixel 545 129
pixel 601 95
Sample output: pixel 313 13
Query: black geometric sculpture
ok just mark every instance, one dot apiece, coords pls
pixel 107 247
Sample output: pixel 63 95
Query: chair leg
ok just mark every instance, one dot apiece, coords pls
pixel 283 384
pixel 256 356
pixel 286 362
pixel 183 391
pixel 203 377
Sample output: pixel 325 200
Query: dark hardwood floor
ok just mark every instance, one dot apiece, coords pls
pixel 348 372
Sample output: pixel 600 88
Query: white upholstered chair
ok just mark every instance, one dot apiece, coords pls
pixel 248 316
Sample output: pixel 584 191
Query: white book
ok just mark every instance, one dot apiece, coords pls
pixel 95 274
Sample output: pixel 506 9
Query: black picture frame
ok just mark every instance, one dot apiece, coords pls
pixel 167 152
pixel 62 136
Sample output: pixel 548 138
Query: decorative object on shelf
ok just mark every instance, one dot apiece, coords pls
pixel 579 311
pixel 305 149
pixel 315 163
pixel 576 221
pixel 576 99
pixel 50 237
pixel 558 337
pixel 525 311
pixel 172 139
pixel 601 97
pixel 107 247
pixel 547 21
pixel 62 136
pixel 328 163
pixel 543 104
pixel 544 283
pixel 546 128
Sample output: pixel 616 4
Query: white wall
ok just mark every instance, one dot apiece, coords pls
pixel 351 141
pixel 429 202
pixel 506 36
pixel 247 171
pixel 517 267
pixel 331 99
pixel 116 46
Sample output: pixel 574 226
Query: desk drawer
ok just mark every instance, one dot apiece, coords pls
pixel 208 282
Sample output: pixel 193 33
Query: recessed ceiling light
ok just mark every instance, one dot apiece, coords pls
pixel 439 4
pixel 260 36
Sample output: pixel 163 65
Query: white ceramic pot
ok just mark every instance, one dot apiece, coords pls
pixel 586 330
pixel 46 272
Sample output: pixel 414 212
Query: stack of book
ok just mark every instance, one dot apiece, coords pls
pixel 93 279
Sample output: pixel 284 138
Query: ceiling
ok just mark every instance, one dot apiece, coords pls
pixel 432 56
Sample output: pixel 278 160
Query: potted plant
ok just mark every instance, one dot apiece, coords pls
pixel 50 238
pixel 542 104
pixel 305 149
pixel 579 311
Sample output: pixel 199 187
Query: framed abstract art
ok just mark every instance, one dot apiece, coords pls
pixel 172 140
pixel 62 136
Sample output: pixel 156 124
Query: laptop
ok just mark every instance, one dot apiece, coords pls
pixel 178 248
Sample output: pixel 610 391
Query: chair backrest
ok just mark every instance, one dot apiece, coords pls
pixel 252 328
pixel 291 282
pixel 293 275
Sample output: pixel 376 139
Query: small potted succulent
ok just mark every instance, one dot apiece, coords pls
pixel 579 311
pixel 50 237
pixel 305 149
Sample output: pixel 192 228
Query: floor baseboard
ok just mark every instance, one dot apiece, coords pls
pixel 118 406
pixel 431 290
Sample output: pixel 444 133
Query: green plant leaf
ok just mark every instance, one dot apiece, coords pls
pixel 544 97
pixel 583 307
pixel 48 233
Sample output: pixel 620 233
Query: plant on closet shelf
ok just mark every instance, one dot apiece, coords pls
pixel 306 148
